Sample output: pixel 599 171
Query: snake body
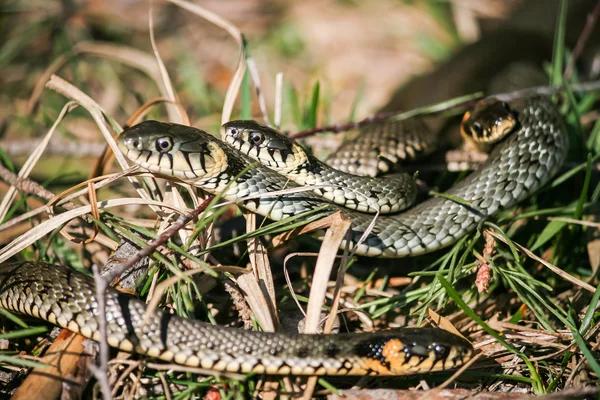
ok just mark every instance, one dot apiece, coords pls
pixel 515 169
pixel 380 145
pixel 68 299
pixel 490 122
pixel 365 194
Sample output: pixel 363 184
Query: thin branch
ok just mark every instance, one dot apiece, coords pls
pixel 582 40
pixel 100 371
pixel 28 186
pixel 162 239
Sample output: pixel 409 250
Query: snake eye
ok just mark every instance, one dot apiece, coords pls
pixel 477 128
pixel 441 351
pixel 233 131
pixel 164 144
pixel 256 138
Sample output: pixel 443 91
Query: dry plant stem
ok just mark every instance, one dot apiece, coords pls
pixel 165 386
pixel 582 40
pixel 162 239
pixel 551 267
pixel 261 99
pixel 101 371
pixel 288 281
pixel 278 99
pixel 166 80
pixel 28 186
pixel 34 157
pixel 331 243
pixel 327 255
pixel 46 227
pixel 261 267
pixel 133 57
pixel 66 89
pixel 236 81
pixel 339 283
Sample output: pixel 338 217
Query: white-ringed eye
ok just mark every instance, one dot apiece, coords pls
pixel 256 138
pixel 164 144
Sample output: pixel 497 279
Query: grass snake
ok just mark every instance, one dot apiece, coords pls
pixel 68 299
pixel 516 168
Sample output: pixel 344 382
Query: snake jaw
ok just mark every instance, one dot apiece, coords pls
pixel 165 149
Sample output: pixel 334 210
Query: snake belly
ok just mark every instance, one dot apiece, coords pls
pixel 68 299
pixel 515 169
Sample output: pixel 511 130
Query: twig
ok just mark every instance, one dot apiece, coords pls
pixel 548 265
pixel 582 40
pixel 28 186
pixel 100 371
pixel 162 239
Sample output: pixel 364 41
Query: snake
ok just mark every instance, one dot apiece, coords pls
pixel 361 193
pixel 380 145
pixel 517 166
pixel 489 122
pixel 68 299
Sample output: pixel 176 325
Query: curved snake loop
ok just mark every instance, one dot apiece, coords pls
pixel 490 122
pixel 519 166
pixel 281 154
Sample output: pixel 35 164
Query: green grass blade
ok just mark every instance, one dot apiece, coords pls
pixel 21 362
pixel 36 330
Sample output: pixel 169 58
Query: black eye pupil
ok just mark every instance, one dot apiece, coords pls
pixel 477 128
pixel 164 144
pixel 255 138
pixel 136 143
pixel 233 131
pixel 441 351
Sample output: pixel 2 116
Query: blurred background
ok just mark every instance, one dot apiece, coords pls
pixel 358 51
pixel 365 56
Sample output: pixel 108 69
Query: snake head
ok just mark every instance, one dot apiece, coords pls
pixel 174 150
pixel 259 142
pixel 488 123
pixel 415 350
